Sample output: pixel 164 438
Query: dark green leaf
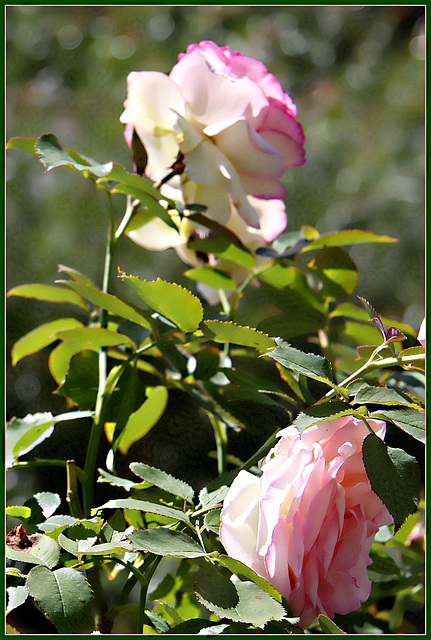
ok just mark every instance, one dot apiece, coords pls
pixel 63 595
pixel 242 571
pixel 190 627
pixel 308 364
pixel 322 412
pixel 409 419
pixel 82 380
pixel 52 155
pixel 147 507
pixel 379 395
pixel 215 587
pixel 207 363
pixel 166 542
pixel 163 480
pixel 394 476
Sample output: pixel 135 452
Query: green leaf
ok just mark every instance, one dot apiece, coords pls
pixel 304 309
pixel 308 364
pixel 328 626
pixel 63 595
pixel 163 480
pixel 152 204
pixel 211 277
pixel 48 502
pixel 21 512
pixel 23 434
pixel 56 522
pixel 16 596
pixel 346 237
pixel 52 155
pixel 45 551
pixel 229 332
pixel 77 276
pixel 93 338
pixel 143 420
pixel 213 586
pixel 394 476
pixel 114 480
pixel 322 412
pixel 337 272
pixel 254 607
pixel 111 303
pixel 212 520
pixel 243 571
pixel 409 419
pixel 170 300
pixel 40 338
pixel 166 542
pixel 207 363
pixel 23 144
pixel 48 293
pixel 147 507
pixel 120 175
pixel 82 380
pixel 379 395
pixel 76 547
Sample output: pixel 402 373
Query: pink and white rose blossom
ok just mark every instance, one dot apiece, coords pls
pixel 230 125
pixel 307 523
pixel 422 333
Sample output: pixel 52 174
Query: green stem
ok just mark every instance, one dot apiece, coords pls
pixel 220 435
pixel 370 366
pixel 72 495
pixel 47 463
pixel 100 410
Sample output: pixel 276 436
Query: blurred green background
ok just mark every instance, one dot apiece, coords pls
pixel 356 74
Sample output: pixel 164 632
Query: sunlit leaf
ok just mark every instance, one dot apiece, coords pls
pixel 23 434
pixel 45 551
pixel 323 412
pixel 111 303
pixel 329 627
pixel 64 596
pixel 16 596
pixel 48 293
pixel 23 144
pixel 141 421
pixel 337 272
pixel 212 277
pixel 229 332
pixel 21 512
pixel 40 338
pixel 394 476
pixel 347 237
pixel 82 380
pixel 255 606
pixel 308 364
pixel 170 300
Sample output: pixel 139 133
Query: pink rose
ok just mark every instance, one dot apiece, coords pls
pixel 308 523
pixel 230 123
pixel 422 333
